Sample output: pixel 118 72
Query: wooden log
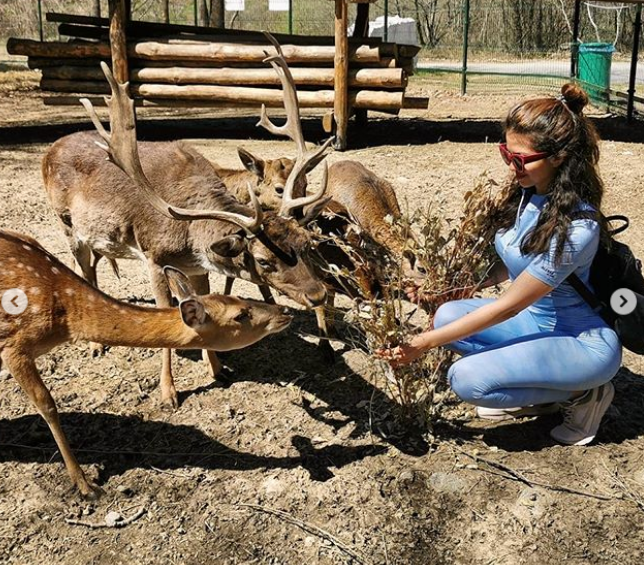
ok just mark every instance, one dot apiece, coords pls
pixel 139 28
pixel 57 49
pixel 220 52
pixel 358 78
pixel 415 102
pixel 46 62
pixel 369 100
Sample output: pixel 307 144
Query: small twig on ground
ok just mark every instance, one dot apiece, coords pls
pixel 629 493
pixel 178 475
pixel 310 528
pixel 515 475
pixel 117 524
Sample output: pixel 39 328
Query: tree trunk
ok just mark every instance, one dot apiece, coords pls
pixel 166 11
pixel 217 14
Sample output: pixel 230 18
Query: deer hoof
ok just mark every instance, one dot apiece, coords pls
pixel 90 490
pixel 97 349
pixel 170 399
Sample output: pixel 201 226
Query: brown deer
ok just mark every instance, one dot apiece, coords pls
pixel 104 208
pixel 56 306
pixel 267 176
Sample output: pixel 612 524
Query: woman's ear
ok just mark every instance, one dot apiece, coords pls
pixel 556 161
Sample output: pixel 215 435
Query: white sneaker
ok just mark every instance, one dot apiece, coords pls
pixel 583 415
pixel 500 414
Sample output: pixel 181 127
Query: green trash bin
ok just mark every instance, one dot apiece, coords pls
pixel 594 69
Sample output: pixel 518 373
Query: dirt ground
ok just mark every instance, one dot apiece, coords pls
pixel 299 461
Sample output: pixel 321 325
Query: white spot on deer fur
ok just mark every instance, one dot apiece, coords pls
pixel 21 265
pixel 55 271
pixel 69 291
pixel 35 290
pixel 25 246
pixel 30 268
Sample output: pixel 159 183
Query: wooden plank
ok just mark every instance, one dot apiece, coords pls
pixel 138 28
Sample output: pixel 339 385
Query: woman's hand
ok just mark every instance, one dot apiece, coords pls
pixel 403 354
pixel 412 290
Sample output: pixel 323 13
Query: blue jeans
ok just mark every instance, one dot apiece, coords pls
pixel 516 363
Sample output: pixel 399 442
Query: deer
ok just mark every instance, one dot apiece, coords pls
pixel 267 176
pixel 167 206
pixel 45 304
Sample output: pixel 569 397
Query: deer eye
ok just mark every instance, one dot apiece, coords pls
pixel 264 263
pixel 244 314
pixel 279 189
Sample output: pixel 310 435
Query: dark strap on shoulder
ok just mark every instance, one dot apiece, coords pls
pixel 584 292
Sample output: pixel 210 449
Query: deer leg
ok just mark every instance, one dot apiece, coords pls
pixel 228 287
pixel 202 285
pixel 323 316
pixel 88 260
pixel 24 370
pixel 266 293
pixel 163 299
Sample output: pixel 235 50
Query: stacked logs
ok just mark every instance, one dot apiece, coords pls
pixel 174 65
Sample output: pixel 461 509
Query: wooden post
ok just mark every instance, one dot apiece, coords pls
pixel 361 29
pixel 341 83
pixel 118 41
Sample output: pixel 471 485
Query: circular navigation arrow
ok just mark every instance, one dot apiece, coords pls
pixel 14 301
pixel 623 301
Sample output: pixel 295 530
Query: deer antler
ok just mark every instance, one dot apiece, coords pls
pixel 121 147
pixel 292 128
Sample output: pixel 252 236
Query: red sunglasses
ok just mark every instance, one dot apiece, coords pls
pixel 519 160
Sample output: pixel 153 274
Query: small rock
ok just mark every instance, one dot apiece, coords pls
pixel 112 518
pixel 407 476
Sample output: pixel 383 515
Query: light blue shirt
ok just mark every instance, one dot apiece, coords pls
pixel 562 308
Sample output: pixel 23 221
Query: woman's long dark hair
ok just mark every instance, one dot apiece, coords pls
pixel 558 127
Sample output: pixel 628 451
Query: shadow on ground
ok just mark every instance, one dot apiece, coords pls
pixel 384 131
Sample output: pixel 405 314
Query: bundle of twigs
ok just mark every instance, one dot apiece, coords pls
pixel 456 257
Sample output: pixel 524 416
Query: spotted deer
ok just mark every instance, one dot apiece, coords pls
pixel 169 207
pixel 45 304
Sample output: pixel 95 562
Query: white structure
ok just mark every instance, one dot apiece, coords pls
pixel 278 5
pixel 399 30
pixel 234 5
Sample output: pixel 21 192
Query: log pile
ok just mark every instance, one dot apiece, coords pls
pixel 174 65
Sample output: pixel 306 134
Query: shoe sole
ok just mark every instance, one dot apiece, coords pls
pixel 606 401
pixel 518 416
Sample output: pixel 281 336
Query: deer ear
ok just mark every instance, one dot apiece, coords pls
pixel 179 283
pixel 229 246
pixel 252 163
pixel 193 312
pixel 313 211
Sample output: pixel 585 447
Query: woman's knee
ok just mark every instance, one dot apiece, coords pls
pixel 465 381
pixel 447 313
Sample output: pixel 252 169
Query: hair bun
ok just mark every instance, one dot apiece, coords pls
pixel 575 97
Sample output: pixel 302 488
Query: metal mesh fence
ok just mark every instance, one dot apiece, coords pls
pixel 511 45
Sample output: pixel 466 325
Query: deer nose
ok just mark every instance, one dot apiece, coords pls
pixel 286 311
pixel 316 298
